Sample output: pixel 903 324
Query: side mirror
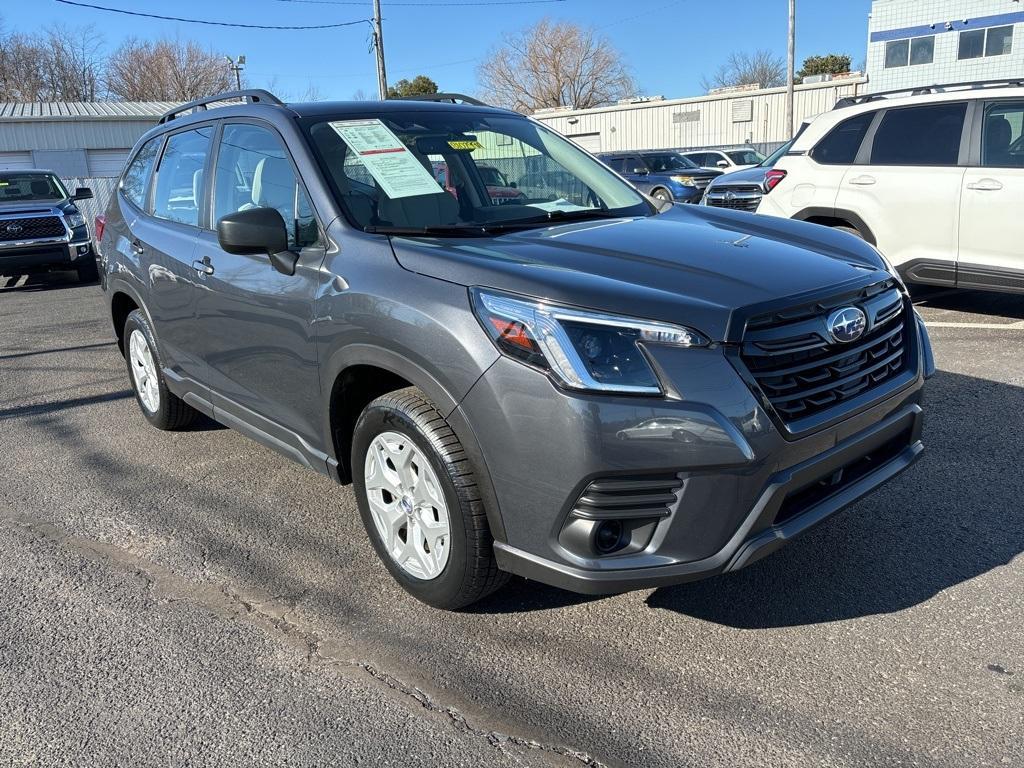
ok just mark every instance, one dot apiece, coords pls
pixel 722 164
pixel 258 230
pixel 640 171
pixel 82 193
pixel 513 185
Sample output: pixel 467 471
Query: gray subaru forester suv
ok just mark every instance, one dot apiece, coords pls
pixel 582 386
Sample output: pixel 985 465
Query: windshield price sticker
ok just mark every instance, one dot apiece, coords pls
pixel 386 158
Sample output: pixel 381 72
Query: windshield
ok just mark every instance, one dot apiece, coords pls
pixel 384 172
pixel 670 161
pixel 20 187
pixel 745 157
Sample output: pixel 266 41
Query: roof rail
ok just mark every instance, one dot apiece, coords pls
pixel 454 98
pixel 850 101
pixel 250 96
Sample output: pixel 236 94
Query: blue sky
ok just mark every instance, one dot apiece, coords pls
pixel 669 45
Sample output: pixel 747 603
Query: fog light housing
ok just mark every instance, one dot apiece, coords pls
pixel 608 537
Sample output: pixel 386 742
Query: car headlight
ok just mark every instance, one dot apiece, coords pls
pixel 686 181
pixel 74 220
pixel 581 350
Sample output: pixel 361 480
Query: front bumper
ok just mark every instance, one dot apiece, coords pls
pixel 744 489
pixel 31 257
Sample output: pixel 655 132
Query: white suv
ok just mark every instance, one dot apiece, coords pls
pixel 935 181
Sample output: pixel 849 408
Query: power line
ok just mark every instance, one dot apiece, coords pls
pixel 212 23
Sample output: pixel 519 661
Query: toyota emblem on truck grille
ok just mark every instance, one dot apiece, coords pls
pixel 14 229
pixel 847 324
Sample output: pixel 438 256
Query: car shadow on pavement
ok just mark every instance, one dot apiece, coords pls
pixel 953 516
pixel 998 306
pixel 41 281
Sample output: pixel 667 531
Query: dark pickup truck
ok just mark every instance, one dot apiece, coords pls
pixel 41 227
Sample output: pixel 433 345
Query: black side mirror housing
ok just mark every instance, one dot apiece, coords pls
pixel 82 193
pixel 256 231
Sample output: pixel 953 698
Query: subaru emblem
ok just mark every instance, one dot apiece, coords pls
pixel 847 324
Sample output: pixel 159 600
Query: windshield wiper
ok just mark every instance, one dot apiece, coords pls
pixel 427 231
pixel 485 230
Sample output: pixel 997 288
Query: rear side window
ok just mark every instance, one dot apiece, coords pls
pixel 136 177
pixel 179 177
pixel 841 145
pixel 925 135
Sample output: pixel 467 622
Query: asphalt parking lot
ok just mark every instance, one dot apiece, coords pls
pixel 195 599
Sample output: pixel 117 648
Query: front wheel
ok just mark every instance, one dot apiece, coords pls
pixel 662 194
pixel 420 504
pixel 161 407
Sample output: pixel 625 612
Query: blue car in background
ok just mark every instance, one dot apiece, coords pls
pixel 662 174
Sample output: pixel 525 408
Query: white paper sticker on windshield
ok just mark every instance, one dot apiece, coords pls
pixel 386 158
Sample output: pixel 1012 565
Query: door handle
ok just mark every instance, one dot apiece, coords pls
pixel 203 267
pixel 985 185
pixel 137 248
pixel 863 181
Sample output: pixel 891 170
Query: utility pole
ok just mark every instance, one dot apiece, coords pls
pixel 790 68
pixel 378 44
pixel 237 66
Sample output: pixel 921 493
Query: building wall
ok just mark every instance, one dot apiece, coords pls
pixel 939 25
pixel 721 120
pixel 85 144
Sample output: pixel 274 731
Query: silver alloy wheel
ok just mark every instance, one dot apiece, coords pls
pixel 407 505
pixel 144 371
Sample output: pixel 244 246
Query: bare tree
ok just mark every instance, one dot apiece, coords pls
pixel 60 64
pixel 762 68
pixel 166 70
pixel 74 64
pixel 360 95
pixel 555 64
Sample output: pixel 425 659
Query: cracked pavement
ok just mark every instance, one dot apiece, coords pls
pixel 194 599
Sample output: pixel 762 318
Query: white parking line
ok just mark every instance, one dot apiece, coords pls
pixel 1019 326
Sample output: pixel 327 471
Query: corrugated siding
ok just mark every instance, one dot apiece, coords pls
pixel 72 109
pixel 706 121
pixel 105 163
pixel 15 161
pixel 71 134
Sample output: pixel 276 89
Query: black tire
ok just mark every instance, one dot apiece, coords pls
pixel 471 571
pixel 662 194
pixel 849 230
pixel 88 272
pixel 172 412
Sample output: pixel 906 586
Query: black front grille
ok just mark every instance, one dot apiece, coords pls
pixel 620 498
pixel 802 371
pixel 738 198
pixel 31 228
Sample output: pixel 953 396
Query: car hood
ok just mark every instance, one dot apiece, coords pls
pixel 24 206
pixel 689 265
pixel 751 175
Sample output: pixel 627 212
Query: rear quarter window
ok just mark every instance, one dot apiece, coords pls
pixel 841 144
pixel 135 181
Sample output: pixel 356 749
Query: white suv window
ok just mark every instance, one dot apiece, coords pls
pixel 840 146
pixel 925 135
pixel 1002 136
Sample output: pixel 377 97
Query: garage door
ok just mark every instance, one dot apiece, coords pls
pixel 589 141
pixel 106 162
pixel 15 161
